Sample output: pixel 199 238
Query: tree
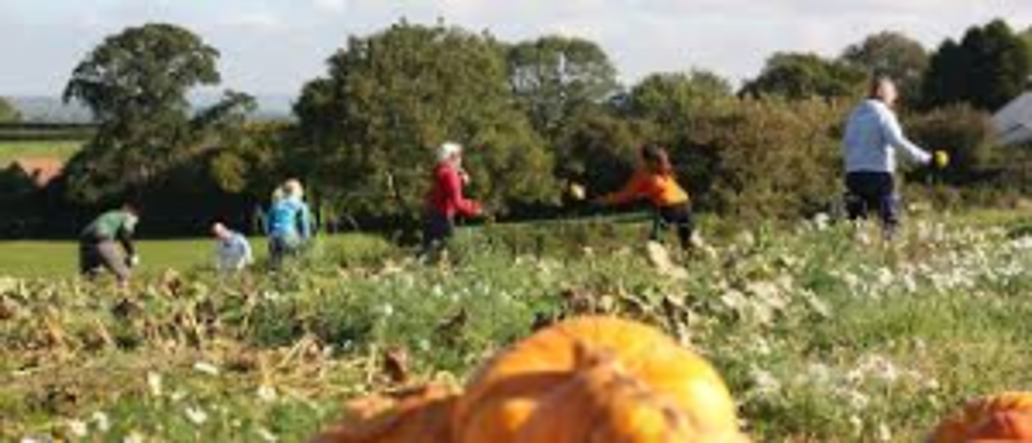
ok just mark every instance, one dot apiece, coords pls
pixel 801 76
pixel 892 54
pixel 136 83
pixel 600 148
pixel 371 125
pixel 668 98
pixel 987 69
pixel 555 76
pixel 8 113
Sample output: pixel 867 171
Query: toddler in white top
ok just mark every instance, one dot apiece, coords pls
pixel 233 252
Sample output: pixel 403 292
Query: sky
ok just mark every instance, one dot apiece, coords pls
pixel 272 47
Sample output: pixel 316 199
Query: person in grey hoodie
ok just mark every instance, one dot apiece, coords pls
pixel 872 140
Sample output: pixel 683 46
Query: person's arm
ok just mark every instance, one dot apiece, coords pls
pixel 125 236
pixel 305 218
pixel 630 192
pixel 893 132
pixel 452 186
pixel 263 221
pixel 220 256
pixel 248 254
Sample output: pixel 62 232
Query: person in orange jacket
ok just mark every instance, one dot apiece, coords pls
pixel 655 181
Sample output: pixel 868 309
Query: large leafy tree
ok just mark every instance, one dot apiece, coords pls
pixel 136 85
pixel 801 76
pixel 986 69
pixel 892 54
pixel 671 97
pixel 390 98
pixel 8 112
pixel 556 77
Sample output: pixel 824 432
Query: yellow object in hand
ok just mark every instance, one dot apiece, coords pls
pixel 942 159
pixel 577 191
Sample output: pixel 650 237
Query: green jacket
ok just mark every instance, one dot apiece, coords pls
pixel 113 225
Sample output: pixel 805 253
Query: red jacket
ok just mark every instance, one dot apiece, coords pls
pixel 446 196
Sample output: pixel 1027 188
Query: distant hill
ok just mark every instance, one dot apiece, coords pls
pixel 42 109
pixel 270 106
pixel 39 109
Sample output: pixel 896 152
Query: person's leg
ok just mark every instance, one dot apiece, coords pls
pixel 680 216
pixel 437 229
pixel 429 236
pixel 686 227
pixel 292 247
pixel 89 258
pixel 276 251
pixel 658 226
pixel 856 204
pixel 114 260
pixel 889 206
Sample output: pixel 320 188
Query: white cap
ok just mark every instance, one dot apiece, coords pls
pixel 448 150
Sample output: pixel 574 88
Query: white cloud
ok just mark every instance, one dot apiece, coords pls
pixel 330 6
pixel 261 21
pixel 731 37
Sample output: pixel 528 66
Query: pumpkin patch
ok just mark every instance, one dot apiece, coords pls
pixel 1003 417
pixel 820 338
pixel 421 414
pixel 592 379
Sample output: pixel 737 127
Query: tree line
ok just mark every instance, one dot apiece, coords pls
pixel 535 115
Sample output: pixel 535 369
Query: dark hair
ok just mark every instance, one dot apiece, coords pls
pixel 132 206
pixel 656 159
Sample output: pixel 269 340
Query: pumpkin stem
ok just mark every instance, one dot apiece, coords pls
pixel 587 357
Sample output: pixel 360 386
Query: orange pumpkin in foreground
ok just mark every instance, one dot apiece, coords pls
pixel 419 415
pixel 596 379
pixel 1004 417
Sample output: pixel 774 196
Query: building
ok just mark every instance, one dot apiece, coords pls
pixel 1014 122
pixel 41 170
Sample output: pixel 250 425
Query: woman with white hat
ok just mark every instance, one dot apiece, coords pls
pixel 446 200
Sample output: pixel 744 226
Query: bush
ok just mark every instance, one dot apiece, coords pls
pixel 763 158
pixel 963 132
pixel 981 173
pixel 1015 168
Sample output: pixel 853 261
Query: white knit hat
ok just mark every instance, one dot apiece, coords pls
pixel 448 150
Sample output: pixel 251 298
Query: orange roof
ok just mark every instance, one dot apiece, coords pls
pixel 42 170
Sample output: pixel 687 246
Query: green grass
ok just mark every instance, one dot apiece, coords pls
pixel 59 259
pixel 820 336
pixel 11 150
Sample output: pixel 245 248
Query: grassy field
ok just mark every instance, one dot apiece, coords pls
pixel 11 150
pixel 822 333
pixel 59 259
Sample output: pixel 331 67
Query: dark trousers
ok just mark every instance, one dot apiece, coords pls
pixel 95 255
pixel 873 192
pixel 437 229
pixel 680 217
